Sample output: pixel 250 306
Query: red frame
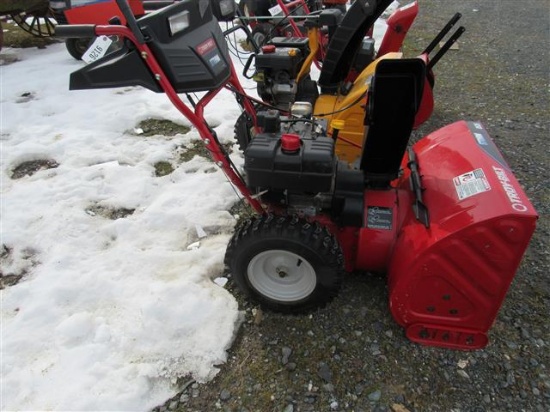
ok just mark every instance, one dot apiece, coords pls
pixel 101 12
pixel 195 117
pixel 399 24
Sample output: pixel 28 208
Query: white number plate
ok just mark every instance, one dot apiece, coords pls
pixel 97 50
pixel 275 10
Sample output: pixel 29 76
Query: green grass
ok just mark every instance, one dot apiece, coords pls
pixel 14 36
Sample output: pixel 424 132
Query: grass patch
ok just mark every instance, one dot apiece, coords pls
pixel 186 153
pixel 243 210
pixel 163 127
pixel 31 167
pixel 9 277
pixel 198 148
pixel 108 212
pixel 16 37
pixel 245 45
pixel 163 168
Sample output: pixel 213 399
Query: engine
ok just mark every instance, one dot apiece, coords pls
pixel 277 66
pixel 291 163
pixel 279 63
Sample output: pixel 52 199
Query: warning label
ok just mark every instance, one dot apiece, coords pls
pixel 379 218
pixel 471 183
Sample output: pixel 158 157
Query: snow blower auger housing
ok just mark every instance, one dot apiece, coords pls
pixel 445 219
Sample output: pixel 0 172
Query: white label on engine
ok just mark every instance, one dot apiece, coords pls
pixel 471 183
pixel 275 10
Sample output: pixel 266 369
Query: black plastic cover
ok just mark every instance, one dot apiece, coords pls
pixel 260 7
pixel 330 17
pixel 121 68
pixel 269 121
pixel 348 200
pixel 224 10
pixel 301 43
pixel 283 58
pixel 310 170
pixel 195 58
pixel 394 98
pixel 365 55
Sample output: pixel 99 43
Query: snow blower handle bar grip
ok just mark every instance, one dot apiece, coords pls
pixel 130 20
pixel 75 31
pixel 452 40
pixel 442 33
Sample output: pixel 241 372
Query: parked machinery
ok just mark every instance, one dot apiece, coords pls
pixel 445 218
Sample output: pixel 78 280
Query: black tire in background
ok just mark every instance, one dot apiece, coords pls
pixel 77 46
pixel 262 33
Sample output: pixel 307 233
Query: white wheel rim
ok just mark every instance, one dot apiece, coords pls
pixel 259 38
pixel 281 275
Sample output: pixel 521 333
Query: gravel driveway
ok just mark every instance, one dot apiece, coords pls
pixel 352 355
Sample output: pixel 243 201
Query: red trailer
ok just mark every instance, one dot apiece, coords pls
pixel 89 12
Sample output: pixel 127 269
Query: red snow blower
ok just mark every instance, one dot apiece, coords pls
pixel 445 218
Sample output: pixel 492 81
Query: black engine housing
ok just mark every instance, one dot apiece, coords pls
pixel 309 170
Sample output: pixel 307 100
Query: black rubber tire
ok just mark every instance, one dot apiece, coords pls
pixel 310 244
pixel 77 46
pixel 244 128
pixel 262 33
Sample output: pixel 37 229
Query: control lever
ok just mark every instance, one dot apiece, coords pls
pixel 130 20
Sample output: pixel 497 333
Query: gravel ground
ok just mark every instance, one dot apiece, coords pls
pixel 352 355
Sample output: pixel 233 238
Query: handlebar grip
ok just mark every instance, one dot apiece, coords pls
pixel 75 30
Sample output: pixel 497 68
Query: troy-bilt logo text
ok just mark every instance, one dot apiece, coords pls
pixel 510 190
pixel 206 46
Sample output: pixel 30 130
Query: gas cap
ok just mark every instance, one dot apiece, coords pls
pixel 290 143
pixel 270 48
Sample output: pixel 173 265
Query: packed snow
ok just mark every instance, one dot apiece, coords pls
pixel 111 309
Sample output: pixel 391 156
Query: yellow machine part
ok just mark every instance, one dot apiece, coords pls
pixel 351 135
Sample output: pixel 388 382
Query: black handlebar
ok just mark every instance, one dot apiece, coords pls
pixel 75 30
pixel 442 33
pixel 130 20
pixel 452 40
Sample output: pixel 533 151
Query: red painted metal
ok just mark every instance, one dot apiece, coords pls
pixel 447 282
pixel 100 12
pixel 195 117
pixel 399 24
pixel 290 142
pixel 375 242
pixel 270 48
pixel 288 9
pixel 427 103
